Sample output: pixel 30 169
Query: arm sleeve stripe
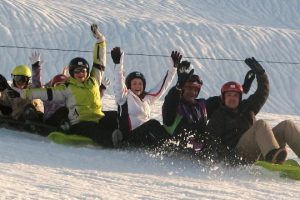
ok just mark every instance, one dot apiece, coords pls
pixel 49 94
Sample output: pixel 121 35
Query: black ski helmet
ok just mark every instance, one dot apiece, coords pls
pixel 134 75
pixel 78 62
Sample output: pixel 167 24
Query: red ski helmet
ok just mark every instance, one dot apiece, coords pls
pixel 232 86
pixel 59 78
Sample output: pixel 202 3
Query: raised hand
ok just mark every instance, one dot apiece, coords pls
pixel 184 73
pixel 35 58
pixel 250 76
pixel 116 55
pixel 176 58
pixel 254 65
pixel 95 31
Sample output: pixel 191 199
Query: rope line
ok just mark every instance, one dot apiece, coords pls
pixel 149 55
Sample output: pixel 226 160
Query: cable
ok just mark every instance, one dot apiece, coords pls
pixel 151 55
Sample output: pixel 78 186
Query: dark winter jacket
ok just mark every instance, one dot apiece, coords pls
pixel 179 117
pixel 229 125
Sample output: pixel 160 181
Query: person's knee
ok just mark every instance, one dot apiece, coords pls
pixel 261 123
pixel 287 123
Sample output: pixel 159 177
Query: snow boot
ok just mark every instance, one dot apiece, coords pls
pixel 117 137
pixel 276 156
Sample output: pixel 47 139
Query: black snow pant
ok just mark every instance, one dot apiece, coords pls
pixel 150 134
pixel 100 132
pixel 58 117
pixel 5 110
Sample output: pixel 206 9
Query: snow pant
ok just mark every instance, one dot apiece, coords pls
pixel 59 117
pixel 5 110
pixel 101 132
pixel 261 139
pixel 195 141
pixel 30 113
pixel 150 134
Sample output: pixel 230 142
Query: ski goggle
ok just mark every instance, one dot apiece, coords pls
pixel 80 70
pixel 20 78
pixel 195 84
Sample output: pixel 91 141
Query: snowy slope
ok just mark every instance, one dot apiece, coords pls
pixel 33 168
pixel 230 29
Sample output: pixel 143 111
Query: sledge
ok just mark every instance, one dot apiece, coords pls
pixel 70 139
pixel 27 126
pixel 290 168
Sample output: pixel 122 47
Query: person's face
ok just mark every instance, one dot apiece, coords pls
pixel 21 82
pixel 80 74
pixel 190 93
pixel 232 99
pixel 137 86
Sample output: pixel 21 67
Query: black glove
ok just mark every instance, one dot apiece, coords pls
pixel 3 83
pixel 254 65
pixel 116 55
pixel 250 76
pixel 12 93
pixel 176 57
pixel 183 73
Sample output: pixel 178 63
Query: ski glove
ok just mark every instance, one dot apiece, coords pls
pixel 96 32
pixel 35 60
pixel 116 55
pixel 184 73
pixel 254 65
pixel 12 93
pixel 250 76
pixel 176 57
pixel 3 83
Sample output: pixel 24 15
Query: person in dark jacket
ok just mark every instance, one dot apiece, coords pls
pixel 184 116
pixel 235 123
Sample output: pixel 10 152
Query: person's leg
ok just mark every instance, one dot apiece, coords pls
pixel 94 131
pixel 58 117
pixel 31 114
pixel 5 110
pixel 110 120
pixel 286 132
pixel 258 139
pixel 151 133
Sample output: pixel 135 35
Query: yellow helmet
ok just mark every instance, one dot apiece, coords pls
pixel 21 70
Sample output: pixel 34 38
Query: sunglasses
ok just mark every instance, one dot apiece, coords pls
pixel 20 78
pixel 80 70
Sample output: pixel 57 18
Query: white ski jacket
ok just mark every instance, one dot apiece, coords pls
pixel 138 109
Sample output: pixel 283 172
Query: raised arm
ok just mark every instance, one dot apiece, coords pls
pixel 120 89
pixel 258 99
pixel 36 64
pixel 166 80
pixel 99 54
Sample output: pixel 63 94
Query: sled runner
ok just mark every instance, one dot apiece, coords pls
pixel 290 168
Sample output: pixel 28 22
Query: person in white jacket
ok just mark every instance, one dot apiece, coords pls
pixel 134 102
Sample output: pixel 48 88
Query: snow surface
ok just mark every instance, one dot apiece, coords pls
pixel 34 168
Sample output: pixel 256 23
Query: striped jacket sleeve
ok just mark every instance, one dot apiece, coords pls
pixel 159 90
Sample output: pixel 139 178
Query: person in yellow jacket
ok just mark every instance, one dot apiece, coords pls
pixel 81 95
pixel 18 108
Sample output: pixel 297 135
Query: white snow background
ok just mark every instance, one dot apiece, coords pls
pixel 32 167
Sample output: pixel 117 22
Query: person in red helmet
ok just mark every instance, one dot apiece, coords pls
pixel 55 113
pixel 245 137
